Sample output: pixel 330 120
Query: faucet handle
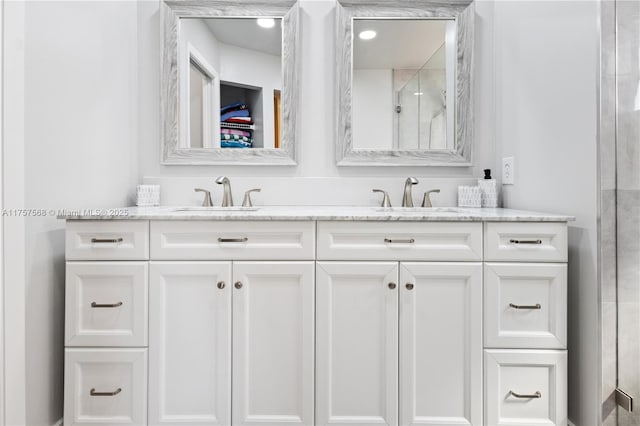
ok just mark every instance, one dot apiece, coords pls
pixel 426 201
pixel 207 197
pixel 247 197
pixel 385 198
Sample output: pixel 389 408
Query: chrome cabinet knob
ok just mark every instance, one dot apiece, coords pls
pixel 392 286
pixel 221 285
pixel 409 286
pixel 238 285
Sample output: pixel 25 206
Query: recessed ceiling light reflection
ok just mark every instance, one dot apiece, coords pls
pixel 266 22
pixel 367 35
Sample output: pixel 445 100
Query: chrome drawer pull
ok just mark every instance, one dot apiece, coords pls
pixel 536 306
pixel 534 396
pixel 93 392
pixel 233 240
pixel 105 305
pixel 409 241
pixel 107 240
pixel 525 241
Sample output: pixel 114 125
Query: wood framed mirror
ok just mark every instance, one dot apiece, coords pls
pixel 404 83
pixel 229 82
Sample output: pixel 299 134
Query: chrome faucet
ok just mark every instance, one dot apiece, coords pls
pixel 426 201
pixel 385 198
pixel 206 202
pixel 247 197
pixel 227 199
pixel 407 199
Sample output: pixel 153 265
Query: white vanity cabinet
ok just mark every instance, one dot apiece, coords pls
pixel 315 322
pixel 525 323
pixel 217 323
pixel 231 341
pixel 273 343
pixel 190 343
pixel 357 343
pixel 399 342
pixel 440 343
pixel 105 375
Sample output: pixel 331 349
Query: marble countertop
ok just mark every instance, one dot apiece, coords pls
pixel 348 213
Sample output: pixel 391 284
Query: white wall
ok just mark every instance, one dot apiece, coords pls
pixel 13 197
pixel 75 148
pixel 90 106
pixel 195 34
pixel 198 34
pixel 546 115
pixel 373 103
pixel 316 152
pixel 2 286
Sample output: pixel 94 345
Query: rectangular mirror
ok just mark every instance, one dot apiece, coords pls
pixel 404 83
pixel 231 82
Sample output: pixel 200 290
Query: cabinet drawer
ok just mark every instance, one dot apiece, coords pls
pixel 107 240
pixel 105 386
pixel 439 241
pixel 525 305
pixel 525 387
pixel 106 304
pixel 233 240
pixel 525 241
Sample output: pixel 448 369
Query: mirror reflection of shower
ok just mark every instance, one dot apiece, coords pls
pixel 421 107
pixel 402 73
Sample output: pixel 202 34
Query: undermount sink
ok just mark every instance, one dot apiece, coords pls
pixel 215 209
pixel 422 210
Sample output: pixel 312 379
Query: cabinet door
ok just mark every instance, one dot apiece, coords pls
pixel 190 343
pixel 357 365
pixel 440 343
pixel 273 304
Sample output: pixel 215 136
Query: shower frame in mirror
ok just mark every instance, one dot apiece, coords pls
pixel 171 11
pixel 463 11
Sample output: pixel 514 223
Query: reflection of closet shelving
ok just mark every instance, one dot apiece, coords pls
pixel 232 92
pixel 237 126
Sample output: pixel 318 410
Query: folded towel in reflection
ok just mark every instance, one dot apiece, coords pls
pixel 232 107
pixel 235 144
pixel 240 120
pixel 235 132
pixel 234 114
pixel 227 137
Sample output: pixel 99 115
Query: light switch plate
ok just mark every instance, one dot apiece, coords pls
pixel 508 171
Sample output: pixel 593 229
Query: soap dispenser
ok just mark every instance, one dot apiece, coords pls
pixel 488 189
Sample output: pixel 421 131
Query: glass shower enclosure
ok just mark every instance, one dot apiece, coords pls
pixel 423 109
pixel 620 211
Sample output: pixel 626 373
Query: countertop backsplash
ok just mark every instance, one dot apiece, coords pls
pixel 308 191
